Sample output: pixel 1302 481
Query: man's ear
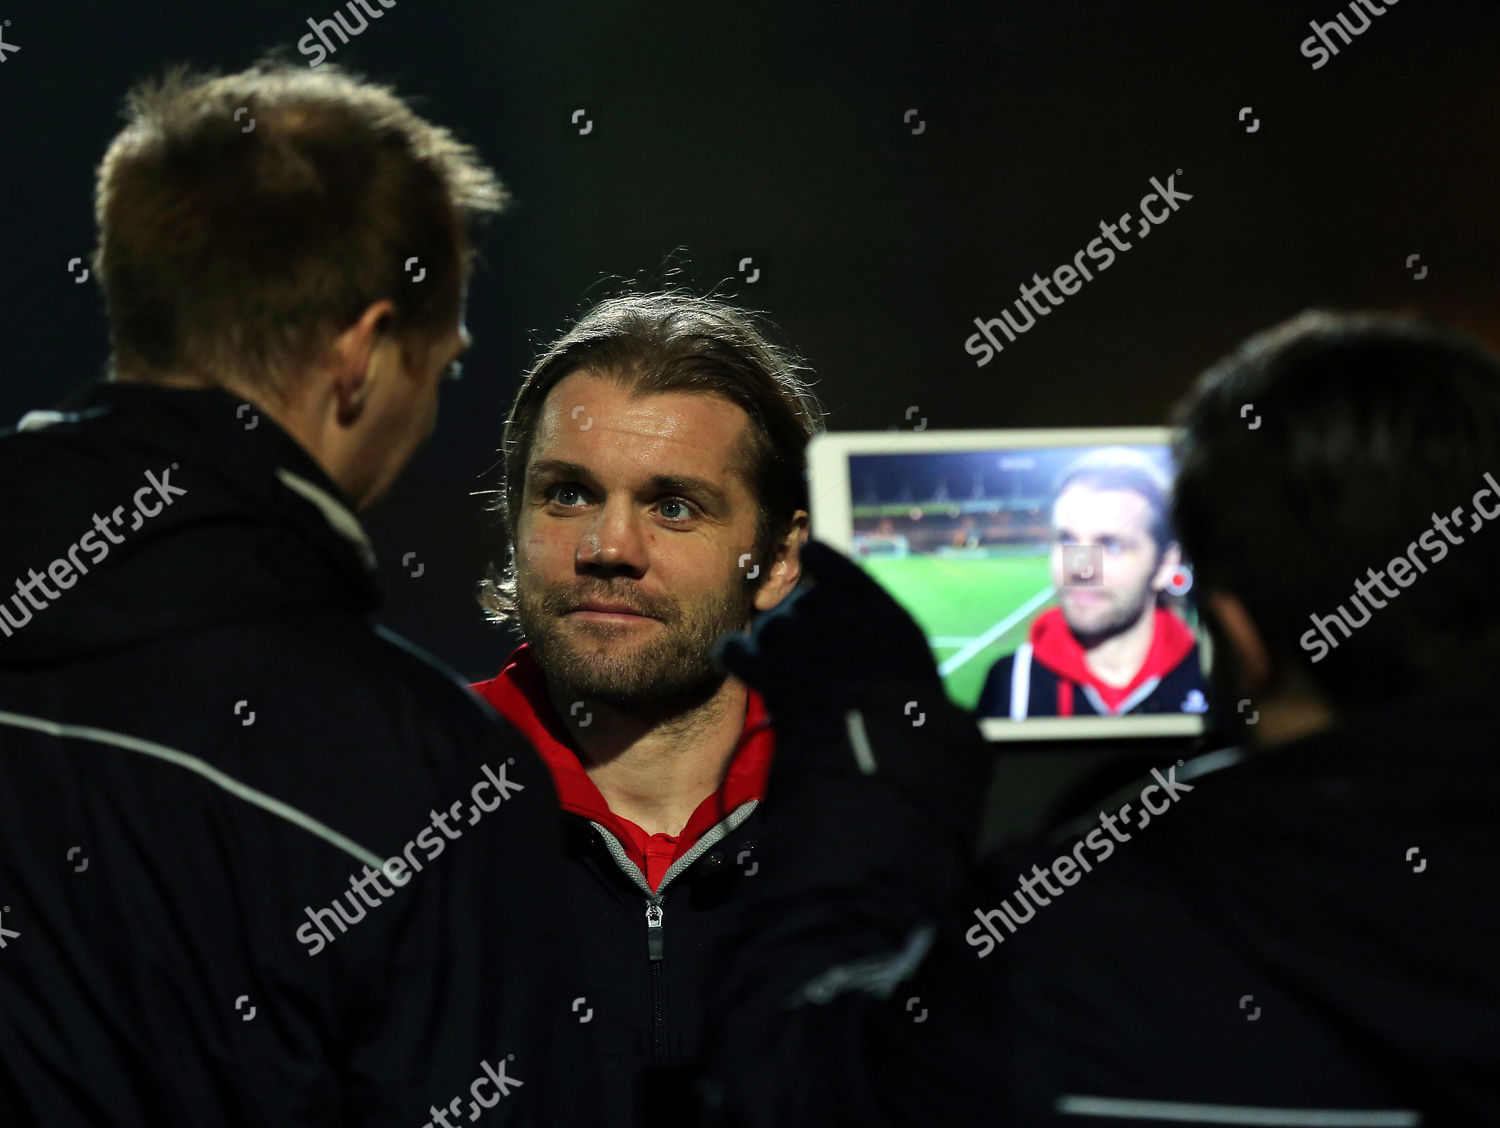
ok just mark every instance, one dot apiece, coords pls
pixel 351 355
pixel 1171 559
pixel 1251 658
pixel 786 565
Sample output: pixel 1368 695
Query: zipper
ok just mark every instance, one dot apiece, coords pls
pixel 654 931
pixel 655 935
pixel 655 947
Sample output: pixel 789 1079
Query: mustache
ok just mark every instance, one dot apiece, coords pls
pixel 561 599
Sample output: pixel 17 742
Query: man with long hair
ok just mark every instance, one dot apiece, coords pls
pixel 653 500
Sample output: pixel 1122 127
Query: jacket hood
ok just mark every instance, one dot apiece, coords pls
pixel 1055 647
pixel 96 493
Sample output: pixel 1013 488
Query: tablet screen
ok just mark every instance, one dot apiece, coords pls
pixel 1041 565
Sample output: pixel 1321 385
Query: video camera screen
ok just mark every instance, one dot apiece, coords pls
pixel 1041 565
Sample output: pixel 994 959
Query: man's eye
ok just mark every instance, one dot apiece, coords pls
pixel 564 492
pixel 677 503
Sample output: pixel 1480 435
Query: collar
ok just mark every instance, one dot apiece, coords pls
pixel 519 694
pixel 217 427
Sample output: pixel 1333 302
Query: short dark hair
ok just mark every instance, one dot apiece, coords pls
pixel 1320 449
pixel 1119 468
pixel 671 341
pixel 245 219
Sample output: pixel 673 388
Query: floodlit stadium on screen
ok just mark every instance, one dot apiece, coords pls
pixel 1041 565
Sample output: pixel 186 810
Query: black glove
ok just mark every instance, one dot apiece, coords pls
pixel 907 776
pixel 832 638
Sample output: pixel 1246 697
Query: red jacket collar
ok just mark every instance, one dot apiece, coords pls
pixel 1054 646
pixel 519 693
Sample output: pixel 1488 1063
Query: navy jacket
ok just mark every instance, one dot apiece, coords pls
pixel 1304 935
pixel 644 953
pixel 203 745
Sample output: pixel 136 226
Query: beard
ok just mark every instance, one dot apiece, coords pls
pixel 1116 620
pixel 670 667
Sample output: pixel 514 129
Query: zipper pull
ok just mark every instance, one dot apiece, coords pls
pixel 654 930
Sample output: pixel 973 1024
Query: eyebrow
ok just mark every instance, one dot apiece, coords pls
pixel 1115 534
pixel 682 484
pixel 556 468
pixel 660 483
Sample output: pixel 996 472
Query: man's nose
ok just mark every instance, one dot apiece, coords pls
pixel 615 540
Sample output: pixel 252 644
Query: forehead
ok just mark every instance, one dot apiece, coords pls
pixel 1088 511
pixel 592 420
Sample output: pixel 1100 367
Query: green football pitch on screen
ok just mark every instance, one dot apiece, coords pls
pixel 970 607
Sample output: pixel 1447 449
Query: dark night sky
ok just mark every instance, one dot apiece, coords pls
pixel 777 132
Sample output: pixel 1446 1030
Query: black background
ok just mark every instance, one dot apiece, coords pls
pixel 776 131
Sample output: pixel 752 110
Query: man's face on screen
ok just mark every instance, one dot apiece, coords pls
pixel 632 526
pixel 1131 568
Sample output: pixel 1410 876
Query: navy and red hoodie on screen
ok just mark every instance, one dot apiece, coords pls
pixel 648 907
pixel 1049 676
